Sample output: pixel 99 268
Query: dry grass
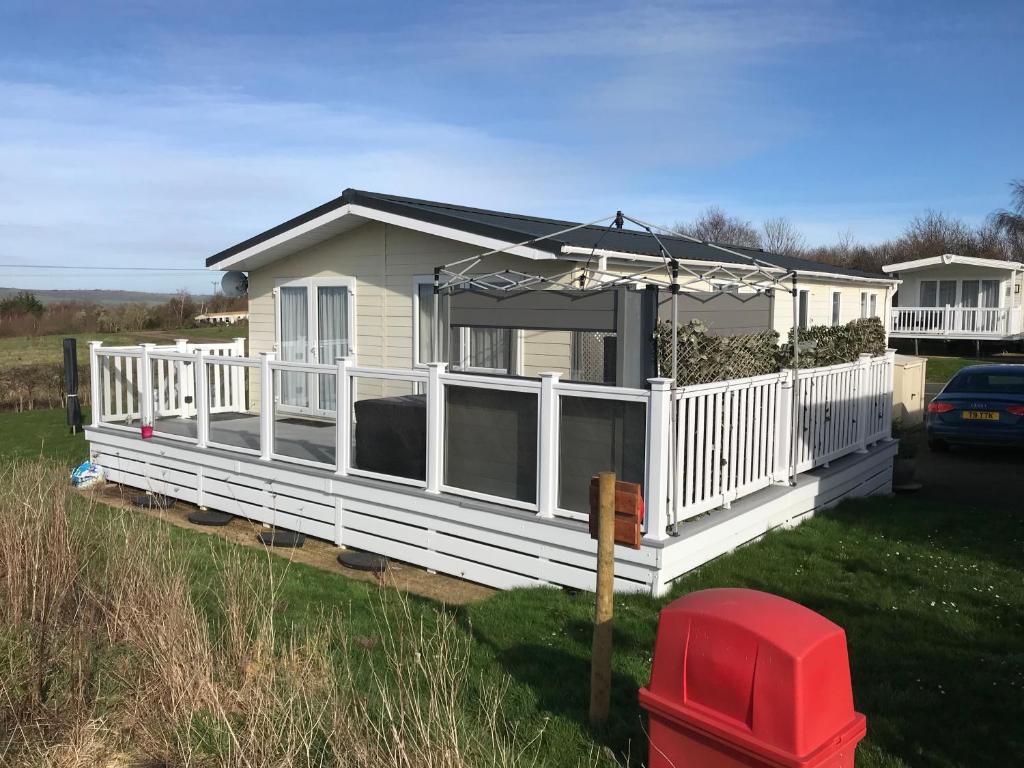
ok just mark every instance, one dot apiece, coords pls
pixel 109 655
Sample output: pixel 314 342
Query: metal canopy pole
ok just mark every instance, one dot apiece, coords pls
pixel 794 407
pixel 435 320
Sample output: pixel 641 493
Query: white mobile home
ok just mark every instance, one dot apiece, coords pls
pixel 957 297
pixel 360 415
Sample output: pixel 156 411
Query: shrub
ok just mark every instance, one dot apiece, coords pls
pixel 39 385
pixel 831 344
pixel 705 357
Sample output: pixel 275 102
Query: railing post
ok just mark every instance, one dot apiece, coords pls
pixel 202 391
pixel 435 426
pixel 659 453
pixel 95 396
pixel 343 423
pixel 863 404
pixel 184 407
pixel 266 405
pixel 146 415
pixel 890 370
pixel 783 428
pixel 547 456
pixel 237 374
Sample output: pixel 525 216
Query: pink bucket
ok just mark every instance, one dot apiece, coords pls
pixel 147 432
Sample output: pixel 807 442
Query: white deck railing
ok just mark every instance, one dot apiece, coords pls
pixel 694 449
pixel 120 373
pixel 951 321
pixel 736 437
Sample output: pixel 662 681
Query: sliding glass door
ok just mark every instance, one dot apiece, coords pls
pixel 314 325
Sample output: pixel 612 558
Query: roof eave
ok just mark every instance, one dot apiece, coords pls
pixel 280 242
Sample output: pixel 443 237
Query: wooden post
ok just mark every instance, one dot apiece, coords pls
pixel 601 654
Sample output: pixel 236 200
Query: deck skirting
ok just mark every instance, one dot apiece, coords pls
pixel 487 543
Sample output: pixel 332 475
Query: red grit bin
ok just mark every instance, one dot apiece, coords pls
pixel 745 678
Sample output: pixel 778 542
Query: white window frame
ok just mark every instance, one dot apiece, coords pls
pixel 837 307
pixel 863 304
pixel 311 284
pixel 515 353
pixel 803 308
pixel 516 339
pixel 417 283
pixel 873 304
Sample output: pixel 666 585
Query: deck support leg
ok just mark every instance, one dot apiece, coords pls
pixel 916 347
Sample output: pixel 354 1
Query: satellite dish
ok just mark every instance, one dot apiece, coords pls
pixel 234 284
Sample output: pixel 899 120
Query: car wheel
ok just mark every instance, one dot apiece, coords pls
pixel 938 446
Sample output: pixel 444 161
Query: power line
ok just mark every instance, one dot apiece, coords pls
pixel 79 267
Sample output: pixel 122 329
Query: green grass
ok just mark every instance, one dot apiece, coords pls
pixel 941 368
pixel 31 434
pixel 931 597
pixel 23 350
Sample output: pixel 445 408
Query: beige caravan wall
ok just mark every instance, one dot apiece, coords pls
pixel 384 260
pixel 819 310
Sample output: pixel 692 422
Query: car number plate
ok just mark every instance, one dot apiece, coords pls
pixel 982 415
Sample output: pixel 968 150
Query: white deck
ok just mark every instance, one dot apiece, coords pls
pixel 485 477
pixel 487 543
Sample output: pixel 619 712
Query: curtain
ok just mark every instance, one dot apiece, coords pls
pixel 490 348
pixel 947 293
pixel 990 293
pixel 294 344
pixel 332 323
pixel 928 296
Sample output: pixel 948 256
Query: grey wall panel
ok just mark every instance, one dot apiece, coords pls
pixel 535 310
pixel 723 313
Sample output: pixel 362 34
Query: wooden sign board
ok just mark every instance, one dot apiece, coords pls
pixel 629 512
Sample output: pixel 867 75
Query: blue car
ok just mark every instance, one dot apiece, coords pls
pixel 981 405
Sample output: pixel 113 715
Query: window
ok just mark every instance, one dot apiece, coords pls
pixel 423 309
pixel 947 293
pixel 836 299
pixel 803 308
pixel 928 293
pixel 990 293
pixel 482 350
pixel 315 323
pixel 986 383
pixel 863 304
pixel 873 305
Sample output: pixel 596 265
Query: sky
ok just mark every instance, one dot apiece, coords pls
pixel 155 134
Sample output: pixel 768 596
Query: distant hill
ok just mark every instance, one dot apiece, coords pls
pixel 97 296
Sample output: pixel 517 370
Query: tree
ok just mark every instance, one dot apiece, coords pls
pixel 714 226
pixel 780 236
pixel 22 303
pixel 1011 223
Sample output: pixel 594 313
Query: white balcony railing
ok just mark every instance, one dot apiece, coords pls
pixel 531 444
pixel 968 322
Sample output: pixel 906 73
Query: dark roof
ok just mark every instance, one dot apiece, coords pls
pixel 514 227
